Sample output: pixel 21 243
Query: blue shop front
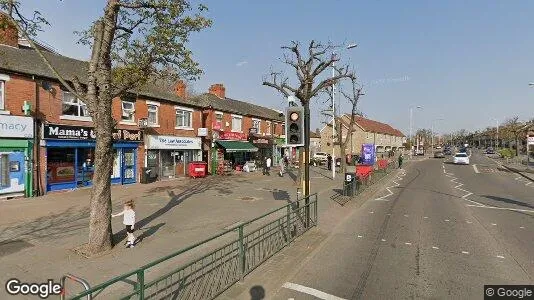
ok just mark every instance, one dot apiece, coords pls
pixel 69 156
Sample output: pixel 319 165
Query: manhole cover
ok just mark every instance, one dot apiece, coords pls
pixel 248 198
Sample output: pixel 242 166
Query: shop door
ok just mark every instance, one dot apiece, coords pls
pixel 11 172
pixel 128 166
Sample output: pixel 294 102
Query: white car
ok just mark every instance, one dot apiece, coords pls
pixel 320 156
pixel 461 158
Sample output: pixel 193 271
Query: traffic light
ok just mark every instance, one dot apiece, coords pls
pixel 295 126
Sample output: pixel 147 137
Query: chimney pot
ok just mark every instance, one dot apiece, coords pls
pixel 218 90
pixel 9 34
pixel 180 89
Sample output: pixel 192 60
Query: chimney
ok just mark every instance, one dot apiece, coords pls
pixel 218 90
pixel 179 89
pixel 9 34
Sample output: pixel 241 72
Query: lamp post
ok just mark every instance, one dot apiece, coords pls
pixel 432 131
pixel 411 125
pixel 350 46
pixel 497 141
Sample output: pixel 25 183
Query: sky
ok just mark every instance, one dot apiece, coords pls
pixel 468 63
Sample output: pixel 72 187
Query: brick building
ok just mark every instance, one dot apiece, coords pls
pixel 47 142
pixel 366 131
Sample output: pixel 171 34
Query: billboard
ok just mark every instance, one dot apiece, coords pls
pixel 368 154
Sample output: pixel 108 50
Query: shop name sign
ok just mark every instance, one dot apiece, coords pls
pixel 172 142
pixel 64 132
pixel 16 127
pixel 226 135
pixel 260 141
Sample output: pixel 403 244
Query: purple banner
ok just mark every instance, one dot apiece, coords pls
pixel 368 154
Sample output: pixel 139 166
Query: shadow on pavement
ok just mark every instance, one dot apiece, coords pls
pixel 281 195
pixel 510 201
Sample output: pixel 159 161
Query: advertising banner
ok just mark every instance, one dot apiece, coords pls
pixel 368 154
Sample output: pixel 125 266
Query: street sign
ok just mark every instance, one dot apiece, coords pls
pixel 530 140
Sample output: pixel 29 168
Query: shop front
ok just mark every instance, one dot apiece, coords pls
pixel 231 150
pixel 265 146
pixel 70 155
pixel 16 136
pixel 169 156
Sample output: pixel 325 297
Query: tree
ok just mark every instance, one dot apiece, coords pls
pixel 309 68
pixel 514 129
pixel 133 43
pixel 352 98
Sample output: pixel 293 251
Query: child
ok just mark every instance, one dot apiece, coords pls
pixel 128 220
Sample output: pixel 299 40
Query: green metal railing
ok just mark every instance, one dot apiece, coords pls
pixel 239 250
pixel 351 189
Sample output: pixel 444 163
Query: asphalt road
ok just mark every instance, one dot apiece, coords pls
pixel 442 233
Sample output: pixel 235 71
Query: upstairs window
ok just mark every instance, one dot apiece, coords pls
pixel 184 118
pixel 218 123
pixel 2 94
pixel 268 130
pixel 237 122
pixel 256 124
pixel 128 111
pixel 72 106
pixel 153 113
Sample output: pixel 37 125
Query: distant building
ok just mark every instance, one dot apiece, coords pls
pixel 365 131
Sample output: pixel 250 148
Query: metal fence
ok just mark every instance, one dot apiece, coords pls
pixel 239 250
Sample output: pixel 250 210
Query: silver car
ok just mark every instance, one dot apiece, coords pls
pixel 461 158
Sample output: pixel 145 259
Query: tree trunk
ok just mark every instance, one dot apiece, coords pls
pixel 100 232
pixel 517 146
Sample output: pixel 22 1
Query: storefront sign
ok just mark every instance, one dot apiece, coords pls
pixel 202 132
pixel 16 127
pixel 64 132
pixel 225 135
pixel 171 142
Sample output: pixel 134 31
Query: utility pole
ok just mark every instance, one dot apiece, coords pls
pixel 333 121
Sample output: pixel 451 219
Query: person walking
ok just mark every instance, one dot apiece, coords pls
pixel 329 161
pixel 128 214
pixel 400 161
pixel 268 165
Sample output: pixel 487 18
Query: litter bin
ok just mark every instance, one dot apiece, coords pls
pixel 198 169
pixel 349 186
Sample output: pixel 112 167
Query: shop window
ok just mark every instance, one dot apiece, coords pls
pixel 2 94
pixel 268 130
pixel 128 111
pixel 153 114
pixel 184 118
pixel 60 166
pixel 73 107
pixel 4 170
pixel 237 122
pixel 256 124
pixel 116 164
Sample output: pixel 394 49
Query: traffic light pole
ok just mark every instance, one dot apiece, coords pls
pixel 306 161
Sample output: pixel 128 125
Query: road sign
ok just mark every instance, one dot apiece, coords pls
pixel 530 140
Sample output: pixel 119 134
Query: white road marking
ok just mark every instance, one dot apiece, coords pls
pixel 434 247
pixel 465 252
pixel 528 183
pixel 500 256
pixel 521 227
pixel 493 224
pixel 406 216
pixel 383 240
pixel 503 208
pixel 469 222
pixel 425 217
pixel 407 243
pixel 360 236
pixel 371 212
pixel 447 220
pixel 310 291
pixel 476 170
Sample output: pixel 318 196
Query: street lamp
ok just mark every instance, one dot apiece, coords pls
pixel 497 141
pixel 349 46
pixel 432 130
pixel 411 125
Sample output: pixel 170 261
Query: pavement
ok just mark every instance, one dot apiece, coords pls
pixel 516 164
pixel 435 231
pixel 38 236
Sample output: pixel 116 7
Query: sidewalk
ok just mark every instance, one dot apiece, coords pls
pixel 517 165
pixel 38 235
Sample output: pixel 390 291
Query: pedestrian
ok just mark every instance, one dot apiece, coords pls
pixel 400 161
pixel 128 214
pixel 264 165
pixel 268 165
pixel 329 161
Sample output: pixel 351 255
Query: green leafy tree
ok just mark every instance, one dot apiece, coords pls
pixel 133 43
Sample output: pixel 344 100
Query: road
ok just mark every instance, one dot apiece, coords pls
pixel 443 232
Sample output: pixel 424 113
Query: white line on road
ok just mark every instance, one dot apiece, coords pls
pixel 383 240
pixel 360 236
pixel 501 208
pixel 500 256
pixel 521 227
pixel 469 222
pixel 408 243
pixel 310 291
pixel 493 224
pixel 371 212
pixel 406 216
pixel 425 217
pixel 476 170
pixel 447 220
pixel 528 183
pixel 465 252
pixel 434 247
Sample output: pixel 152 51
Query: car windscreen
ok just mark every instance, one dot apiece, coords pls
pixel 461 155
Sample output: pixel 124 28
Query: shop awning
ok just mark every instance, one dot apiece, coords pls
pixel 237 146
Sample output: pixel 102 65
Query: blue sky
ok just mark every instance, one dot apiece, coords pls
pixel 468 62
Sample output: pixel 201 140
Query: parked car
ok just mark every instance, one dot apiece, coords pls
pixel 447 152
pixel 490 150
pixel 461 158
pixel 320 156
pixel 439 154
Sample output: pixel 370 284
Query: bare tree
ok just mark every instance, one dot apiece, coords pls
pixel 309 67
pixel 135 41
pixel 513 129
pixel 352 98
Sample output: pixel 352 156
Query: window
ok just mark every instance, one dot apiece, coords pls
pixel 184 118
pixel 128 110
pixel 236 123
pixel 218 123
pixel 153 113
pixel 2 94
pixel 72 106
pixel 268 128
pixel 256 124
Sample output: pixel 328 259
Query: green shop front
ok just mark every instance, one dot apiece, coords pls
pixel 231 149
pixel 16 144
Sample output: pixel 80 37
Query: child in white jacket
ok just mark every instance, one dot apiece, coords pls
pixel 129 221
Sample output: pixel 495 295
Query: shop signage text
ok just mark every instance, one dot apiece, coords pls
pixel 64 132
pixel 172 142
pixel 260 141
pixel 225 135
pixel 16 127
